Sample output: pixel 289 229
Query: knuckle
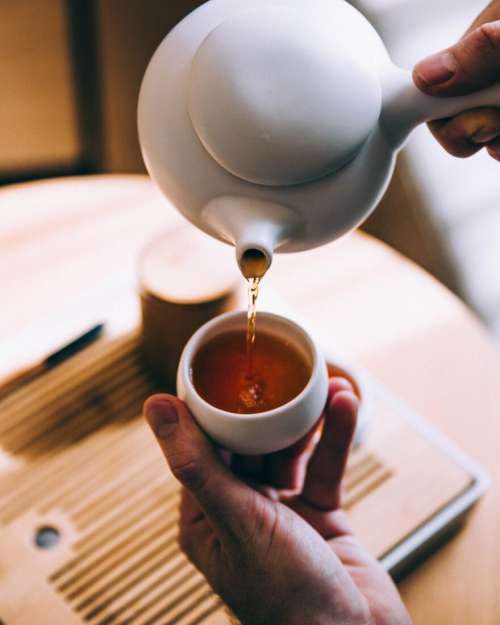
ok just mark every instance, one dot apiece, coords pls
pixel 185 542
pixel 189 472
pixel 450 146
pixel 494 153
pixel 460 151
pixel 454 137
pixel 489 35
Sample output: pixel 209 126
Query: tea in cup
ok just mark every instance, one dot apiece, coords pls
pixel 258 402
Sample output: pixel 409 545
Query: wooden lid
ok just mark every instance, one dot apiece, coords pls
pixel 186 266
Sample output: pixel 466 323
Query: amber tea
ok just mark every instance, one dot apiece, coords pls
pixel 221 375
pixel 254 266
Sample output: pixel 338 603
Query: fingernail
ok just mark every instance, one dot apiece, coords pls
pixel 437 69
pixel 162 417
pixel 485 135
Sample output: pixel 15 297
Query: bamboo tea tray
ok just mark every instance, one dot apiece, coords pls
pixel 88 511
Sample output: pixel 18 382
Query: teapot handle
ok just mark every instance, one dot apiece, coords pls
pixel 405 106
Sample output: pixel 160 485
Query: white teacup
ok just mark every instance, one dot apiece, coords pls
pixel 264 432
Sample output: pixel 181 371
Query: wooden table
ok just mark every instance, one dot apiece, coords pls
pixel 68 239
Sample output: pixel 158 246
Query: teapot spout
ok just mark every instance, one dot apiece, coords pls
pixel 254 252
pixel 256 228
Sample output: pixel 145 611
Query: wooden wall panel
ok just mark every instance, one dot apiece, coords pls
pixel 128 33
pixel 38 119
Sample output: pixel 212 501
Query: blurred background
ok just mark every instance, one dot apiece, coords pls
pixel 71 71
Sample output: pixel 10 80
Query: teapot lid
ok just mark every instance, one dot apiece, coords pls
pixel 277 100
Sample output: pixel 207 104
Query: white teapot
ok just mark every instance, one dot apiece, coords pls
pixel 274 125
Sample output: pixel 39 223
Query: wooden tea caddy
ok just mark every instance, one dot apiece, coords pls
pixel 88 511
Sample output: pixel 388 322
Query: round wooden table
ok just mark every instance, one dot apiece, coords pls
pixel 64 240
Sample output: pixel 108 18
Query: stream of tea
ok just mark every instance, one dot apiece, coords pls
pixel 253 294
pixel 254 266
pixel 256 371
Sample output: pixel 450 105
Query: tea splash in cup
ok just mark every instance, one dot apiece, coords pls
pixel 277 423
pixel 225 377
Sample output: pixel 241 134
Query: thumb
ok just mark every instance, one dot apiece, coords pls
pixel 472 64
pixel 227 503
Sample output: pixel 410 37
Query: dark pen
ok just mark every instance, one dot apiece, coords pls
pixel 21 377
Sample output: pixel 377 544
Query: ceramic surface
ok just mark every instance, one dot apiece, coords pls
pixel 268 431
pixel 275 125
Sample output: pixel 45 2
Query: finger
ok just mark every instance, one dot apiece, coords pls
pixel 494 149
pixel 465 134
pixel 196 537
pixel 338 384
pixel 266 490
pixel 286 469
pixel 327 465
pixel 227 502
pixel 472 64
pixel 329 524
pixel 190 510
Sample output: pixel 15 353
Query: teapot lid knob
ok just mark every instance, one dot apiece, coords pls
pixel 277 101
